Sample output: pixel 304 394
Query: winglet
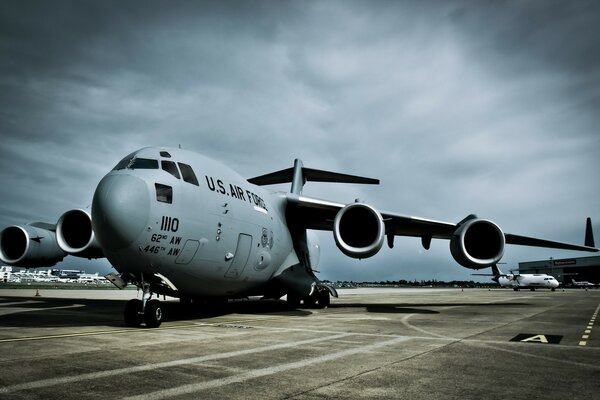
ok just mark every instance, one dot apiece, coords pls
pixel 589 234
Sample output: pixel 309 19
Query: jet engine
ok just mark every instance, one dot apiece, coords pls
pixel 74 234
pixel 358 230
pixel 30 246
pixel 477 243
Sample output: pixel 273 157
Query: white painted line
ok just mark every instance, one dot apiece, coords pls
pixel 257 373
pixel 210 357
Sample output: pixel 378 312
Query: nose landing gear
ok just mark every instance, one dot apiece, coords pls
pixel 148 311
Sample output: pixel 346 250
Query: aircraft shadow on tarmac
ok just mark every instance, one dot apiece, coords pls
pixel 412 308
pixel 64 312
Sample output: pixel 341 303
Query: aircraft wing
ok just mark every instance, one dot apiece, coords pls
pixel 534 242
pixel 359 229
pixel 319 214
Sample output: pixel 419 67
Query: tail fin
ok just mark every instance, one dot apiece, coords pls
pixel 298 176
pixel 589 234
pixel 496 270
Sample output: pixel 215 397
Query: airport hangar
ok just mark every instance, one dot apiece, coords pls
pixel 565 269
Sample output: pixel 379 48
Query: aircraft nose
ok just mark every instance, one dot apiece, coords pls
pixel 120 210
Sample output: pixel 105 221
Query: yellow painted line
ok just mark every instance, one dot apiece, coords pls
pixel 588 329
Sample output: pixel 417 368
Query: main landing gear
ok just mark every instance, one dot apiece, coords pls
pixel 319 299
pixel 148 311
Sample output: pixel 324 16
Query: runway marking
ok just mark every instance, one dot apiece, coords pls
pixel 258 373
pixel 588 329
pixel 210 357
pixel 537 338
pixel 24 310
pixel 117 331
pixel 14 303
pixel 94 333
pixel 405 322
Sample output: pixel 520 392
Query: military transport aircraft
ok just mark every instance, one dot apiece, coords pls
pixel 522 281
pixel 176 223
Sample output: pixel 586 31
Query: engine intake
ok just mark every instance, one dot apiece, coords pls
pixel 358 230
pixel 74 234
pixel 477 243
pixel 29 246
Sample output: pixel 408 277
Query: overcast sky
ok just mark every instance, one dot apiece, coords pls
pixel 458 107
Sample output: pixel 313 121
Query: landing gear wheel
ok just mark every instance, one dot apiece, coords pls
pixel 132 314
pixel 153 314
pixel 293 301
pixel 324 299
pixel 310 301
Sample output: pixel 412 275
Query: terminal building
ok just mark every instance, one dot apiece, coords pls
pixel 565 269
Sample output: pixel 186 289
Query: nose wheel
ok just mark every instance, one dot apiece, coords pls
pixel 148 311
pixel 153 314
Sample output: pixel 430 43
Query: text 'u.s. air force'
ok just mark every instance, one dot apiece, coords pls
pixel 231 190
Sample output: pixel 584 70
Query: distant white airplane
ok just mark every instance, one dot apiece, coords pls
pixel 582 284
pixel 522 281
pixel 176 223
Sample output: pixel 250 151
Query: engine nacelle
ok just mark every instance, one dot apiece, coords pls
pixel 74 234
pixel 29 246
pixel 477 243
pixel 358 230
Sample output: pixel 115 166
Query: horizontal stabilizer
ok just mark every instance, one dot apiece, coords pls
pixel 298 175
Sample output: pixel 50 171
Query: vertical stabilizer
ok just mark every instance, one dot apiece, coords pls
pixel 589 235
pixel 298 179
pixel 496 270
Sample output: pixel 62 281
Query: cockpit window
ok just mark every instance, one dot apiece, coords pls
pixel 143 163
pixel 164 193
pixel 124 162
pixel 171 168
pixel 132 162
pixel 188 174
pixel 165 154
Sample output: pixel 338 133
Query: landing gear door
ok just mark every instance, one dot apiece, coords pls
pixel 242 252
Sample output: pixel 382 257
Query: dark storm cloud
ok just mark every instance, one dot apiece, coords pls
pixel 457 106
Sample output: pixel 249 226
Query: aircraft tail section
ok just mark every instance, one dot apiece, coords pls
pixel 298 175
pixel 496 270
pixel 589 234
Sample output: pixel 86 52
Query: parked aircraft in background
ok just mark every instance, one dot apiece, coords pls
pixel 177 223
pixel 582 284
pixel 522 281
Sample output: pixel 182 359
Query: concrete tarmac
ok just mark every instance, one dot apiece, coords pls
pixel 369 344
